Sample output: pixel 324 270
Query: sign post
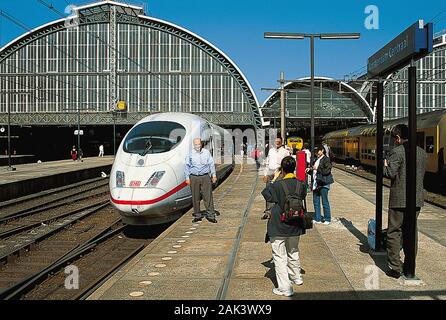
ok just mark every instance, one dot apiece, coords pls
pixel 412 44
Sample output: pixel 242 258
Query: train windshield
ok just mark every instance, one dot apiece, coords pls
pixel 154 137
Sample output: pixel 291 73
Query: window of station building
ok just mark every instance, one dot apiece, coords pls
pixel 164 92
pixel 238 99
pixel 185 92
pixel 143 81
pixel 123 46
pixel 22 59
pixel 52 94
pixel 164 52
pixel 82 50
pixel 144 49
pixel 174 54
pixel 430 146
pixel 195 93
pixel 102 48
pixel 71 50
pixel 227 94
pixel 62 45
pixel 133 45
pixel 154 98
pixel 154 50
pixel 92 92
pixel 206 63
pixel 175 93
pixel 196 59
pixel 206 93
pixel 104 85
pixel 134 98
pixel 216 93
pixel 185 56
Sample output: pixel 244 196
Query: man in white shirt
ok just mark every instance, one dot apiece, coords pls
pixel 275 157
pixel 272 166
pixel 101 150
pixel 307 153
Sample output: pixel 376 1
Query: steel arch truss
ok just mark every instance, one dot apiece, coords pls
pixel 106 118
pixel 130 15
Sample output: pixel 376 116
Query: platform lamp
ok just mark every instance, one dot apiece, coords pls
pixel 322 36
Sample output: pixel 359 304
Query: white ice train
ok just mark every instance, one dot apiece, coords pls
pixel 147 182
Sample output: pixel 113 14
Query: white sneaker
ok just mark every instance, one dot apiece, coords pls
pixel 298 281
pixel 326 222
pixel 283 293
pixel 314 221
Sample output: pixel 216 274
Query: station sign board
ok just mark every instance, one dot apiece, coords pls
pixel 413 43
pixel 80 132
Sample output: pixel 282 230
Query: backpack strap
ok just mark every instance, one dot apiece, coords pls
pixel 301 189
pixel 284 187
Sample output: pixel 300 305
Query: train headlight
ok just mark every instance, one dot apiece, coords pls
pixel 120 179
pixel 154 179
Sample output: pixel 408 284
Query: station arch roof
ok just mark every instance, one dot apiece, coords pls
pixel 230 99
pixel 339 101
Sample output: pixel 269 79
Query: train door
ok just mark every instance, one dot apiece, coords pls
pixel 429 146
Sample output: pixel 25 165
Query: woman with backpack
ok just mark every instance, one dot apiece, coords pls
pixel 284 236
pixel 321 180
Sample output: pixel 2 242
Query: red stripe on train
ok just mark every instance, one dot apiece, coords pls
pixel 143 202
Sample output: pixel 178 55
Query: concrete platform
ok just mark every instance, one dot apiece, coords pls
pixel 17 159
pixel 230 260
pixel 35 177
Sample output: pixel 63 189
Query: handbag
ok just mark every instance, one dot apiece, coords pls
pixel 323 180
pixel 306 220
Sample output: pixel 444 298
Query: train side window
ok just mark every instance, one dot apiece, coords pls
pixel 430 144
pixel 420 139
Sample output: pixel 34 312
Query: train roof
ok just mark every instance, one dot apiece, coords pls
pixel 424 120
pixel 188 120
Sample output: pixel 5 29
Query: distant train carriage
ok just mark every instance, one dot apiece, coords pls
pixel 295 143
pixel 358 144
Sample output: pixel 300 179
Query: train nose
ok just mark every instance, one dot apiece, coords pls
pixel 136 200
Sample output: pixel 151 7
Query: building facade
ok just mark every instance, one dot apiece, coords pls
pixel 108 52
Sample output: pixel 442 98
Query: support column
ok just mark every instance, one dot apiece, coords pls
pixel 379 164
pixel 411 178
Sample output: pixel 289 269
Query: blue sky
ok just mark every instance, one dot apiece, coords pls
pixel 237 27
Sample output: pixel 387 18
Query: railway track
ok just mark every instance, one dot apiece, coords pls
pixel 28 258
pixel 45 199
pixel 429 197
pixel 88 236
pixel 95 262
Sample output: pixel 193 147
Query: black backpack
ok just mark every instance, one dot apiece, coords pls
pixel 293 208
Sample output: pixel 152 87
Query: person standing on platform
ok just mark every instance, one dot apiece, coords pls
pixel 284 237
pixel 395 170
pixel 73 153
pixel 80 154
pixel 321 172
pixel 272 165
pixel 307 152
pixel 308 162
pixel 101 150
pixel 200 174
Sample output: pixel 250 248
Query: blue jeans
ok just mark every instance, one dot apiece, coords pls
pixel 317 195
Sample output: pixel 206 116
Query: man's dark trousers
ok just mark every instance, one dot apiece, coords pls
pixel 397 237
pixel 202 185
